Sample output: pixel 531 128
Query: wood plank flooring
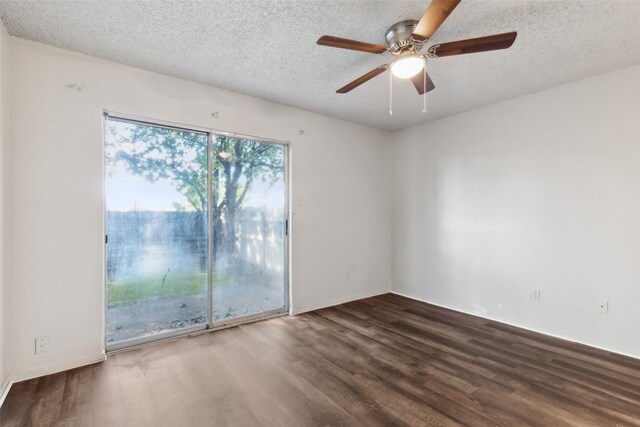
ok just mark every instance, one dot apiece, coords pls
pixel 386 360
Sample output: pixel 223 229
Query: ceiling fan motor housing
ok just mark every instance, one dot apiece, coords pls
pixel 398 36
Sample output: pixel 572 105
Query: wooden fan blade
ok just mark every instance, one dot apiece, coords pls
pixel 351 44
pixel 480 44
pixel 357 82
pixel 419 82
pixel 433 17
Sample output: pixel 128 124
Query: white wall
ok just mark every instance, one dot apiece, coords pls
pixel 4 135
pixel 56 199
pixel 539 192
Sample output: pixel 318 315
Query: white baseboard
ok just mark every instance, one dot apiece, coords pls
pixel 58 367
pixel 4 389
pixel 337 301
pixel 528 328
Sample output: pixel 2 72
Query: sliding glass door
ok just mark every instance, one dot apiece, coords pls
pixel 249 221
pixel 196 226
pixel 157 230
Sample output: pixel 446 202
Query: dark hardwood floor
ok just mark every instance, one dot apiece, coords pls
pixel 386 360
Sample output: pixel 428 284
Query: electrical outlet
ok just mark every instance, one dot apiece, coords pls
pixel 42 345
pixel 535 295
pixel 348 276
pixel 603 307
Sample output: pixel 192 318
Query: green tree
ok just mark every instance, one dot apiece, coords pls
pixel 180 156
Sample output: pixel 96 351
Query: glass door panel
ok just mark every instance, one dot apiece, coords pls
pixel 249 219
pixel 157 231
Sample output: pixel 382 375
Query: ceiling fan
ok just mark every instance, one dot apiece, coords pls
pixel 405 40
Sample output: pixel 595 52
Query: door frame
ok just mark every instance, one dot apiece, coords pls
pixel 209 325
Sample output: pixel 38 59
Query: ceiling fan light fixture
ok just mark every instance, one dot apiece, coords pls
pixel 407 66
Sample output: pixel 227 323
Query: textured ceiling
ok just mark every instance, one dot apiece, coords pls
pixel 267 48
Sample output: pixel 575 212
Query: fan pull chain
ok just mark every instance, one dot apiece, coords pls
pixel 424 88
pixel 390 93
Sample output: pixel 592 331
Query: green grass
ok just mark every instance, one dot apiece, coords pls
pixel 144 288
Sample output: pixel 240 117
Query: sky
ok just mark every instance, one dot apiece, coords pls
pixel 127 192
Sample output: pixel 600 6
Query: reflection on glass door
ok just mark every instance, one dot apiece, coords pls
pixel 157 231
pixel 249 229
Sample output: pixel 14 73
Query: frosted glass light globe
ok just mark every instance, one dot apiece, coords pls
pixel 407 66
